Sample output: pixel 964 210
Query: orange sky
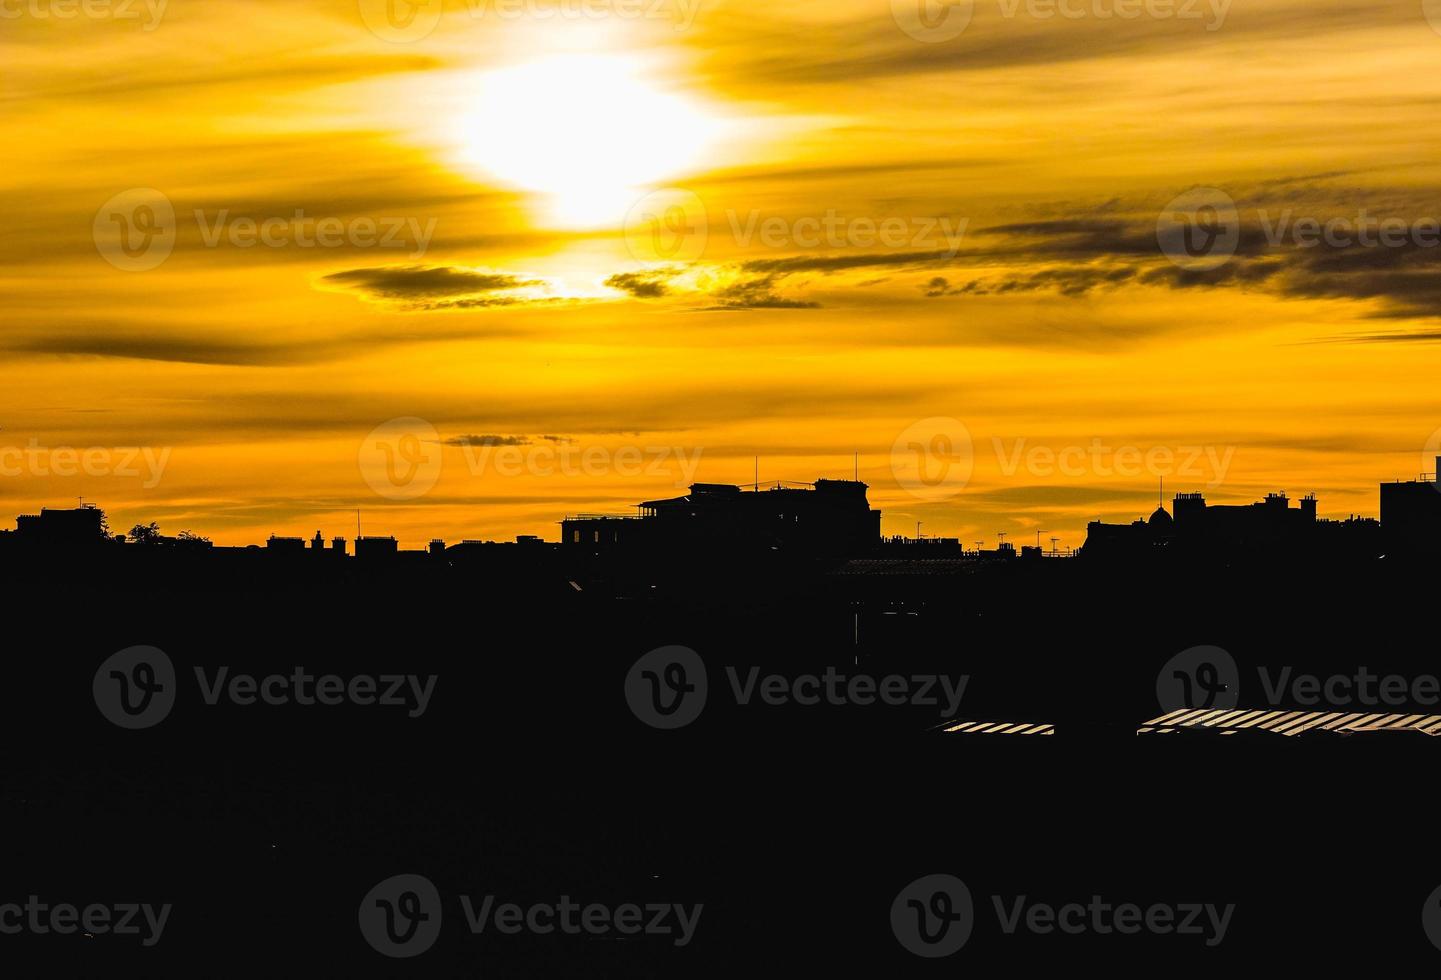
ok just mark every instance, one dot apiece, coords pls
pixel 476 266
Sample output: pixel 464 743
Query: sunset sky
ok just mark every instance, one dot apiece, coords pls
pixel 560 257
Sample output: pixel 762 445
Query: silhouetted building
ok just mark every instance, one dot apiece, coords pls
pixel 285 546
pixel 80 527
pixel 925 548
pixel 376 547
pixel 1141 537
pixel 1411 513
pixel 1198 527
pixel 827 518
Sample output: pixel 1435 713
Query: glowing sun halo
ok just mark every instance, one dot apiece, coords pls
pixel 588 132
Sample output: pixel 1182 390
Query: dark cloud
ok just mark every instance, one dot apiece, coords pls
pixel 842 263
pixel 873 47
pixel 487 441
pixel 426 282
pixel 176 349
pixel 651 284
pixel 758 294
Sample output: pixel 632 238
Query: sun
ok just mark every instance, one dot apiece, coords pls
pixel 587 132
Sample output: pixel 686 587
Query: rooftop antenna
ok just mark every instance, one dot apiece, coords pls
pixel 858 468
pixel 357 523
pixel 1002 536
pixel 1161 498
pixel 918 530
pixel 757 484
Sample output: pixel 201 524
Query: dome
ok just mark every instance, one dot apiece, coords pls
pixel 1160 518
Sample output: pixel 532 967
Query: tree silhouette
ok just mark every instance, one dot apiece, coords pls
pixel 145 533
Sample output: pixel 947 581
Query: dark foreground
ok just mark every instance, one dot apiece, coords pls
pixel 784 831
